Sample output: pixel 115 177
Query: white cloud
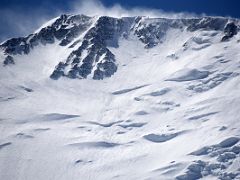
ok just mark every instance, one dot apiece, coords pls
pixel 95 7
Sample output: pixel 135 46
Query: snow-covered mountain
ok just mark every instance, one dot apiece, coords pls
pixel 121 98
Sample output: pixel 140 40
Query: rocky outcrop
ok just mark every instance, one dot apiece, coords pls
pixel 8 60
pixel 93 56
pixel 64 29
pixel 230 30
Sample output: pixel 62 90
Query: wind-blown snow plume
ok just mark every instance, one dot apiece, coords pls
pixel 18 22
pixel 95 7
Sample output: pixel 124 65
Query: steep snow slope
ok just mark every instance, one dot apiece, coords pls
pixel 169 111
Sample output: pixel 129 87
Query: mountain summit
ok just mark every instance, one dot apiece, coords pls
pixel 89 39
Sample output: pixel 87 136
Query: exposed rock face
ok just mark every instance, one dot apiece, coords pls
pixel 206 23
pixel 8 60
pixel 91 55
pixel 65 28
pixel 152 31
pixel 230 30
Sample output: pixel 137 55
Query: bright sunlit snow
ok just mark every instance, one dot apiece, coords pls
pixel 169 112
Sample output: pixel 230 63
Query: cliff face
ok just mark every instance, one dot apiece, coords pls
pixel 90 39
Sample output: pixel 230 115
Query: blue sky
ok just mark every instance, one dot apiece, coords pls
pixel 20 17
